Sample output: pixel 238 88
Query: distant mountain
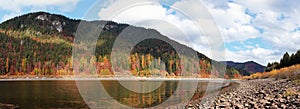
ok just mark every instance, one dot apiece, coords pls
pixel 41 43
pixel 246 68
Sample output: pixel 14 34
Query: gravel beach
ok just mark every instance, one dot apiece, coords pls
pixel 259 94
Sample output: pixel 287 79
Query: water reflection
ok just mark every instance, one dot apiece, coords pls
pixel 140 100
pixel 64 94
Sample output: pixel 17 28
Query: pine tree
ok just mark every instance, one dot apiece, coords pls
pixel 284 62
pixel 292 60
pixel 297 57
pixel 269 67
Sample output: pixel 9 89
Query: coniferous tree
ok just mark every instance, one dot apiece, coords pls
pixel 284 62
pixel 292 60
pixel 297 57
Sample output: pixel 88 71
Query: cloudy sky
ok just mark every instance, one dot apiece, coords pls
pixel 258 30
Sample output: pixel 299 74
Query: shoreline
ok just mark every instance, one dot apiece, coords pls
pixel 259 93
pixel 91 77
pixel 121 79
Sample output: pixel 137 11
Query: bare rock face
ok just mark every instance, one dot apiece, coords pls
pixel 42 17
pixel 57 25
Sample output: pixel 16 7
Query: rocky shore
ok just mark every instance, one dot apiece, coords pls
pixel 260 93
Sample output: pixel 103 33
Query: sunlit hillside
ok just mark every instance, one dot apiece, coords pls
pixel 41 44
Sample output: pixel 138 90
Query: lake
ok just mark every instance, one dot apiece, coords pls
pixel 66 94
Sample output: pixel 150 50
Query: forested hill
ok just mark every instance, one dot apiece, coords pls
pixel 41 44
pixel 246 68
pixel 42 22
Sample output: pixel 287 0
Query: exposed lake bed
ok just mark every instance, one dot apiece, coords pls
pixel 259 93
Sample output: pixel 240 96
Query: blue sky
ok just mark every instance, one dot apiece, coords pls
pixel 76 11
pixel 258 30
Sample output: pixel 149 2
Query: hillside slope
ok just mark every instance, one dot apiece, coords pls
pixel 41 44
pixel 246 68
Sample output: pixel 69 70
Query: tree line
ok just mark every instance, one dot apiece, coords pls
pixel 286 61
pixel 35 56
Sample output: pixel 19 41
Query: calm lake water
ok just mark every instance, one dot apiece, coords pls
pixel 65 94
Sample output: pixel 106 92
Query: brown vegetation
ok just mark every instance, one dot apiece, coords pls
pixel 292 72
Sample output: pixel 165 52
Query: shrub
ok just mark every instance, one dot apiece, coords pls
pixel 292 72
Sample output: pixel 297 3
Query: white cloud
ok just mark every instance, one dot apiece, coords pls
pixel 154 15
pixel 260 55
pixel 289 6
pixel 233 22
pixel 16 7
pixel 278 32
pixel 276 19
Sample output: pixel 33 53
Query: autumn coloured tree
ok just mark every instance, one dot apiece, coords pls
pixel 30 46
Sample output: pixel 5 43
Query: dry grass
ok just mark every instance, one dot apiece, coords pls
pixel 297 81
pixel 292 72
pixel 291 92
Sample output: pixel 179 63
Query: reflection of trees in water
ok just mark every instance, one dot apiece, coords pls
pixel 140 100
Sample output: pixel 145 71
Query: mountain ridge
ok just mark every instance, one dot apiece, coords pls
pixel 41 28
pixel 246 68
